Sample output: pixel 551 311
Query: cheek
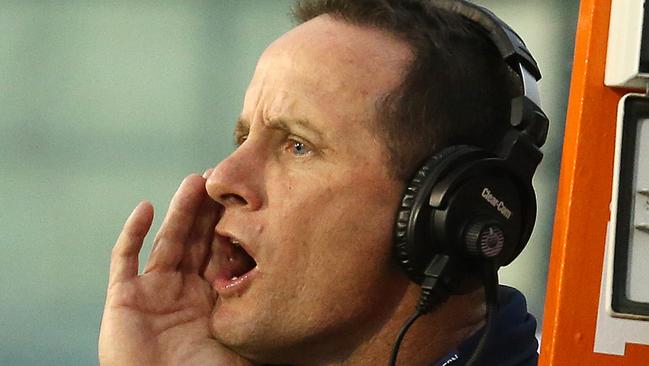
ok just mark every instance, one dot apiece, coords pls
pixel 346 255
pixel 342 232
pixel 358 234
pixel 334 224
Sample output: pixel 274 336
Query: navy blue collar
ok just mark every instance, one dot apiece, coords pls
pixel 513 342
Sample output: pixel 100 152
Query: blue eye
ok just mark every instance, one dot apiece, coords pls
pixel 298 148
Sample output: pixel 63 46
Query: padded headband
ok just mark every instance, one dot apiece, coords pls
pixel 526 113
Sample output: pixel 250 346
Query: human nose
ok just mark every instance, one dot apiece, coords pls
pixel 237 181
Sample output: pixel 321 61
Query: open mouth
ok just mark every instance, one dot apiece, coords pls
pixel 235 266
pixel 239 261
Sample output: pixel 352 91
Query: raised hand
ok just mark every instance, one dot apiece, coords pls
pixel 162 316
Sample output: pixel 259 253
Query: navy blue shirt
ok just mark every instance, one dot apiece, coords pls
pixel 513 341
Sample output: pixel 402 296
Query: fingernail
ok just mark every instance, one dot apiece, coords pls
pixel 207 173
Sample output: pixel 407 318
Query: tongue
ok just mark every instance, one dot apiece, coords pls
pixel 239 262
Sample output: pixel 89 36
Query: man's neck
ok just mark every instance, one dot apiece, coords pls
pixel 431 337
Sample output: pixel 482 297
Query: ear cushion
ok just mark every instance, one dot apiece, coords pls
pixel 409 253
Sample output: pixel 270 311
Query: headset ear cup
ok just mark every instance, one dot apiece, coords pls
pixel 409 252
pixel 402 244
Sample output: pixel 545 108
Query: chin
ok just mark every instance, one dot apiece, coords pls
pixel 250 343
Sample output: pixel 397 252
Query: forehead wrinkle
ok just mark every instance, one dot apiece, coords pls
pixel 282 110
pixel 286 124
pixel 352 66
pixel 329 73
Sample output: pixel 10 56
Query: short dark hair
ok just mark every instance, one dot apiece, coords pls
pixel 457 89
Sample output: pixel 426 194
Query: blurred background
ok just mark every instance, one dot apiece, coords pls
pixel 106 103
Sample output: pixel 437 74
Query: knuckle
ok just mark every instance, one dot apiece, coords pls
pixel 116 251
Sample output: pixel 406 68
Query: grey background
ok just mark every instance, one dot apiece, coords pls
pixel 106 103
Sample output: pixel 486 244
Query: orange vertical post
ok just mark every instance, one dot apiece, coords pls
pixel 583 205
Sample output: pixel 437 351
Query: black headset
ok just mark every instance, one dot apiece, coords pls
pixel 467 205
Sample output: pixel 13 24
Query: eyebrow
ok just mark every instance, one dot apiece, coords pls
pixel 289 125
pixel 240 129
pixel 298 125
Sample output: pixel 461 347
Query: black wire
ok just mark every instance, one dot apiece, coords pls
pixel 435 270
pixel 427 300
pixel 402 333
pixel 477 352
pixel 492 310
pixel 491 298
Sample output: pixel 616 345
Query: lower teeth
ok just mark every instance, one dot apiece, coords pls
pixel 234 278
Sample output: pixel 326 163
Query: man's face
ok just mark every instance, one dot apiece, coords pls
pixel 308 195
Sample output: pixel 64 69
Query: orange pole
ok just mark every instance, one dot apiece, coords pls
pixel 583 205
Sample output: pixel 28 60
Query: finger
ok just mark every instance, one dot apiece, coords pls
pixel 201 237
pixel 168 248
pixel 202 234
pixel 208 172
pixel 124 259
